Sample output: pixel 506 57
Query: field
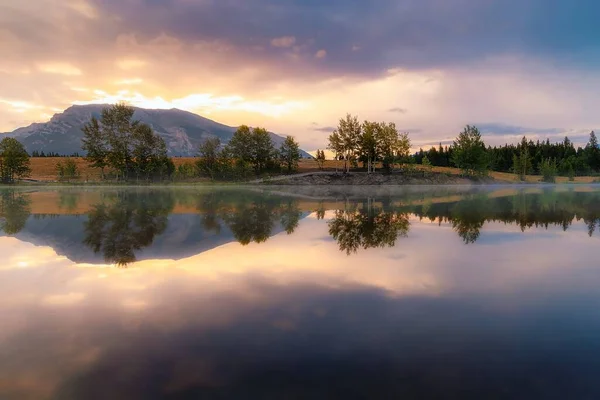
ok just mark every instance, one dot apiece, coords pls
pixel 44 169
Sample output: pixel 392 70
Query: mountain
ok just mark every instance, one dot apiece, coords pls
pixel 183 131
pixel 185 236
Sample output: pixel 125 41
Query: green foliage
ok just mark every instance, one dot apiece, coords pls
pixel 95 145
pixel 391 146
pixel 14 160
pixel 548 170
pixel 289 154
pixel 186 171
pixel 368 151
pixel 426 163
pixel 522 161
pixel 469 152
pixel 251 148
pixel 592 152
pixel 345 139
pixel 67 170
pixel 208 164
pixel 130 148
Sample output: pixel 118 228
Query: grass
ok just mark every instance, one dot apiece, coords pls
pixel 44 170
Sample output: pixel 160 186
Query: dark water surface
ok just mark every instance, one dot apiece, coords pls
pixel 447 292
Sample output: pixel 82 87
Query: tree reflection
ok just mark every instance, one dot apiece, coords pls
pixel 15 209
pixel 527 210
pixel 367 227
pixel 251 217
pixel 127 222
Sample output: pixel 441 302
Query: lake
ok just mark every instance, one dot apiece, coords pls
pixel 306 292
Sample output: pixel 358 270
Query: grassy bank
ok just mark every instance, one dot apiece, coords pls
pixel 43 170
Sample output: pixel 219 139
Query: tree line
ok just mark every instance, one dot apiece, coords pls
pixel 524 158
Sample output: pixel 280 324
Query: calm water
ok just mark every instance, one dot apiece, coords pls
pixel 300 293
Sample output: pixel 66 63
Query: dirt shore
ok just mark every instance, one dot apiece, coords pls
pixel 379 179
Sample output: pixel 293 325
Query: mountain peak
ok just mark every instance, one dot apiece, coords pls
pixel 183 131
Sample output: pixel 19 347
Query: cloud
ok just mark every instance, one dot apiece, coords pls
pixel 285 41
pixel 503 129
pixel 328 129
pixel 449 62
pixel 59 68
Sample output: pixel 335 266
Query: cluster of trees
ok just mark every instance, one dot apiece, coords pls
pixel 469 153
pixel 67 170
pixel 250 151
pixel 368 142
pixel 129 148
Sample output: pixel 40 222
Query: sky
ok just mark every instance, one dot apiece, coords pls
pixel 511 67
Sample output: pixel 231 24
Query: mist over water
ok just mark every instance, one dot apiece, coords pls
pixel 300 292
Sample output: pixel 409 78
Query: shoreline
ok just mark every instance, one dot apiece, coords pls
pixel 318 178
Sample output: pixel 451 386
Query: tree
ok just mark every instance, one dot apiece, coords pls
pixel 593 152
pixel 209 157
pixel 469 152
pixel 254 147
pixel 290 154
pixel 391 145
pixel 117 129
pixel 522 161
pixel 548 170
pixel 262 150
pixel 368 144
pixel 14 160
pixel 320 158
pixel 67 170
pixel 129 147
pixel 94 144
pixel 349 132
pixel 239 145
pixel 149 153
pixel 426 163
pixel 335 145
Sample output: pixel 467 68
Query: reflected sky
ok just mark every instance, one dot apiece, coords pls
pixel 290 313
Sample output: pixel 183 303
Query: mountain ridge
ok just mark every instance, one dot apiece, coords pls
pixel 183 131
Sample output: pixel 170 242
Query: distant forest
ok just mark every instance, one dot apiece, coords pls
pixel 527 156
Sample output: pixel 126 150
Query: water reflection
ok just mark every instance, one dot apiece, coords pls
pixel 120 225
pixel 15 209
pixel 125 222
pixel 367 226
pixel 267 304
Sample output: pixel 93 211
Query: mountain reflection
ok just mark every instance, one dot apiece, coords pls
pixel 120 224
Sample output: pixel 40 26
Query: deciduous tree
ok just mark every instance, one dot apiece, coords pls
pixel 14 160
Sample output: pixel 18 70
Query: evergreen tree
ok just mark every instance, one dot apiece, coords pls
pixel 469 152
pixel 593 152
